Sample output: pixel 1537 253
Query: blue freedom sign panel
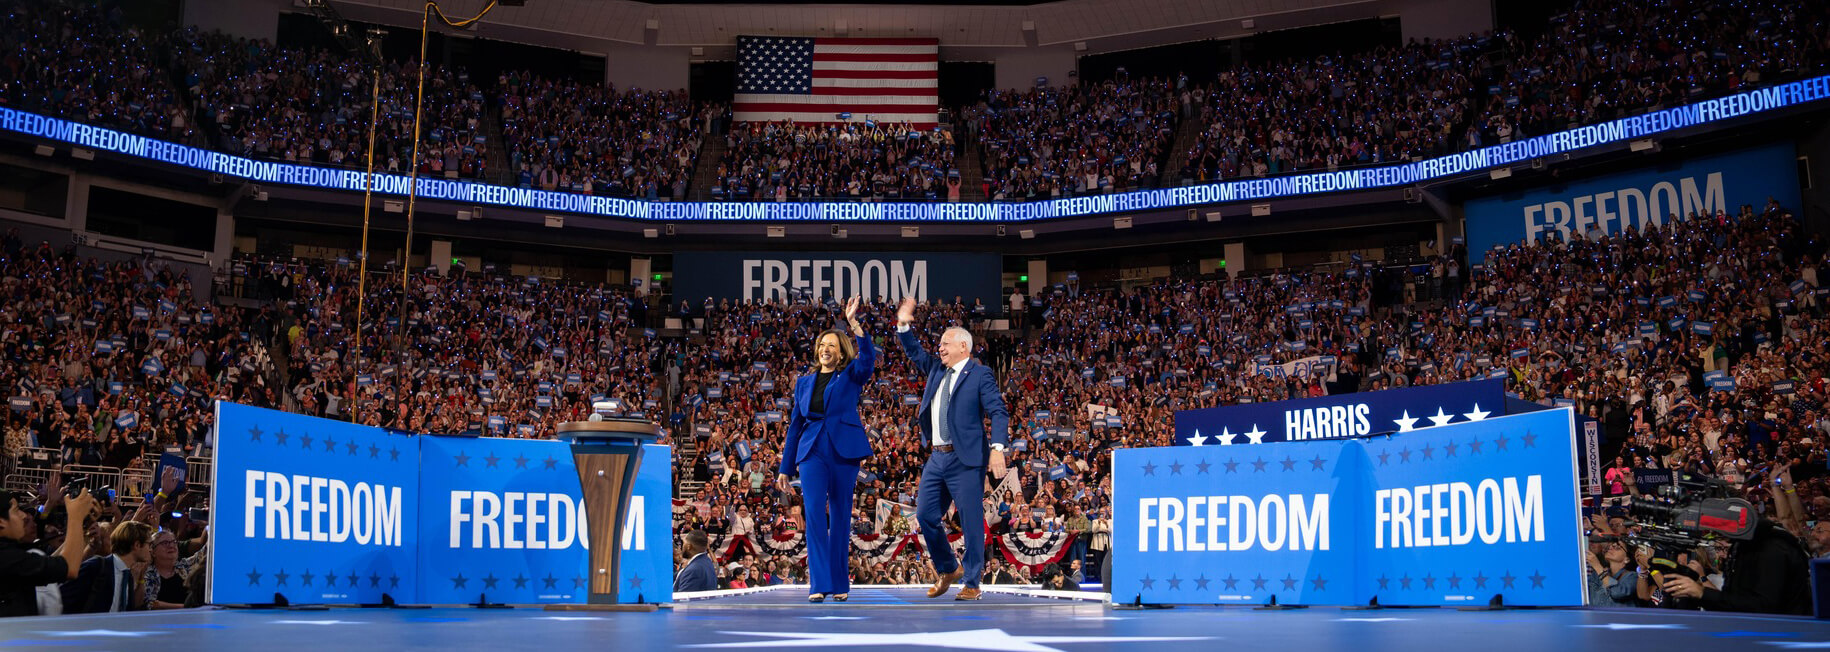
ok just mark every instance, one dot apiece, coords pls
pixel 1341 415
pixel 785 276
pixel 504 517
pixel 1460 513
pixel 1445 516
pixel 321 511
pixel 324 511
pixel 1637 199
pixel 1235 525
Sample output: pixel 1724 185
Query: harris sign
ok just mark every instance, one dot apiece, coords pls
pixel 1341 415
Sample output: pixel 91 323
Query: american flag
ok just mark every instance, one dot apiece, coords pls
pixel 817 80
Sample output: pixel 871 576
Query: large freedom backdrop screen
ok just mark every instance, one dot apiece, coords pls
pixel 1657 195
pixel 785 276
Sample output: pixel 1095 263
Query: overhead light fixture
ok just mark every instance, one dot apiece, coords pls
pixel 1121 223
pixel 1213 216
pixel 44 150
pixel 1261 210
pixel 778 231
pixel 84 154
pixel 1499 173
pixel 651 233
pixel 911 232
pixel 555 221
pixel 1643 145
pixel 393 206
pixel 1027 234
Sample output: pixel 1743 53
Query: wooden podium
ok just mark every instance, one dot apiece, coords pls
pixel 607 453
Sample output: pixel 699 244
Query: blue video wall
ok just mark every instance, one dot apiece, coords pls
pixel 1445 516
pixel 325 511
pixel 1651 196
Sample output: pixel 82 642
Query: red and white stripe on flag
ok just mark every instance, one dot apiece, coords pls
pixel 814 80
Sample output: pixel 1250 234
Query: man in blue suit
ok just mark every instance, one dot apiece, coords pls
pixel 960 395
pixel 698 574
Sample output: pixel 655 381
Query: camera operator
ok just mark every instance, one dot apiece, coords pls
pixel 1765 574
pixel 23 571
pixel 1768 573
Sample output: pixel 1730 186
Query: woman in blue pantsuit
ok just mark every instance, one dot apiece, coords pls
pixel 826 443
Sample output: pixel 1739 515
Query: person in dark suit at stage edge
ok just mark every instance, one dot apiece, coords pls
pixel 698 574
pixel 825 446
pixel 106 583
pixel 995 573
pixel 960 395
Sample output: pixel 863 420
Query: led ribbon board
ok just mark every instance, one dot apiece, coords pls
pixel 1389 176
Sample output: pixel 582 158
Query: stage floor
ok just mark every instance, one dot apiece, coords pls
pixel 903 618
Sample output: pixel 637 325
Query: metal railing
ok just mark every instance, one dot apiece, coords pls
pixel 128 484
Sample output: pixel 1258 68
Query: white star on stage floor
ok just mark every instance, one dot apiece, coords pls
pixel 318 622
pixel 1620 626
pixel 1407 423
pixel 1440 418
pixel 1256 434
pixel 972 639
pixel 112 633
pixel 1226 437
pixel 1198 439
pixel 1370 620
pixel 1477 414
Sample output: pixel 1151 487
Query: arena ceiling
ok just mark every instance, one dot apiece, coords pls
pixel 964 29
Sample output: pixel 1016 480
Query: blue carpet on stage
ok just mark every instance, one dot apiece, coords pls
pixel 883 618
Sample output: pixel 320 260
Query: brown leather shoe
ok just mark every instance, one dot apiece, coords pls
pixel 968 593
pixel 945 582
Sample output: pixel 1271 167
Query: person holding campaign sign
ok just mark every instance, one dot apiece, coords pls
pixel 826 444
pixel 960 394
